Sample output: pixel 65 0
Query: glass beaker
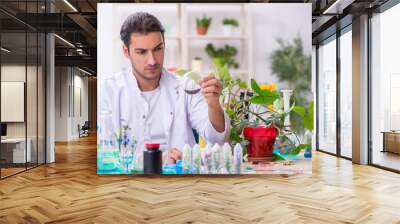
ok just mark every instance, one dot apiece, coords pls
pixel 127 146
pixel 107 160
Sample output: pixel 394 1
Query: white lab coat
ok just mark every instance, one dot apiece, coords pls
pixel 181 112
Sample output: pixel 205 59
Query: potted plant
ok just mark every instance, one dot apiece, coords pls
pixel 236 102
pixel 202 25
pixel 262 134
pixel 261 142
pixel 236 98
pixel 223 56
pixel 259 134
pixel 229 24
pixel 277 115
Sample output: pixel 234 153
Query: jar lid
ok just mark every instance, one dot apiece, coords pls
pixel 152 145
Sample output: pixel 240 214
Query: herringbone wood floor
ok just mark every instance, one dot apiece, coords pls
pixel 70 191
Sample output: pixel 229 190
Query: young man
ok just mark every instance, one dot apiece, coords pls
pixel 152 102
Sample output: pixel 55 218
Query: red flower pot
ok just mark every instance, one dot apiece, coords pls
pixel 261 142
pixel 202 30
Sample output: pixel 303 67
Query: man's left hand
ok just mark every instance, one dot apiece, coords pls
pixel 173 155
pixel 211 89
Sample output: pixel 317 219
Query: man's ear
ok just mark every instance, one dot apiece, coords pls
pixel 125 50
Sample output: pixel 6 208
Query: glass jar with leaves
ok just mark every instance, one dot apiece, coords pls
pixel 127 148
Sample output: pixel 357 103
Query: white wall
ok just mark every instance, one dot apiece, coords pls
pixel 12 73
pixel 61 103
pixel 70 83
pixel 33 126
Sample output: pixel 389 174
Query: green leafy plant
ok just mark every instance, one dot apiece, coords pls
pixel 230 22
pixel 293 66
pixel 203 21
pixel 223 56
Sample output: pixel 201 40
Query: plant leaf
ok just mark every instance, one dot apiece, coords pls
pixel 309 117
pixel 265 97
pixel 255 87
pixel 230 112
pixel 269 93
pixel 299 110
pixel 298 149
pixel 277 157
pixel 241 84
pixel 263 100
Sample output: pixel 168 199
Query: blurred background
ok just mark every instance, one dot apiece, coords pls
pixel 258 39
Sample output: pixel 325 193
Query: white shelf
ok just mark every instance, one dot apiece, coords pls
pixel 216 37
pixel 187 44
pixel 233 71
pixel 172 38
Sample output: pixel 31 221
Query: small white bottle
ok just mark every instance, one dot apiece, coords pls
pixel 197 65
pixel 216 158
pixel 187 159
pixel 227 158
pixel 196 155
pixel 237 158
pixel 207 159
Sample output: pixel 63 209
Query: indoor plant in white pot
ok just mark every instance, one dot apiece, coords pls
pixel 230 25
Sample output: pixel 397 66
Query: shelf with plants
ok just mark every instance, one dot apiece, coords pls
pixel 215 17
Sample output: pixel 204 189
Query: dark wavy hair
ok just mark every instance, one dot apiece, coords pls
pixel 140 22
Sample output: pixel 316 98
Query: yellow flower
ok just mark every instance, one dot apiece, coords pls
pixel 272 86
pixel 270 107
pixel 269 87
pixel 264 87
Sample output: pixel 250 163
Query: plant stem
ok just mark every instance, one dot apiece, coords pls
pixel 296 137
pixel 257 115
